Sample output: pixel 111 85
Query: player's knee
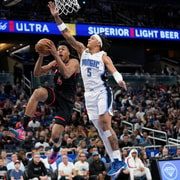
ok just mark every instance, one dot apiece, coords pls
pixel 37 92
pixel 40 94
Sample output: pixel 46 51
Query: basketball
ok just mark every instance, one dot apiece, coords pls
pixel 41 47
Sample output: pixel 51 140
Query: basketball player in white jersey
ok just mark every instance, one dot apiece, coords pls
pixel 98 96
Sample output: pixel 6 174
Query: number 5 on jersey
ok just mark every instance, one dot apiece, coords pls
pixel 89 72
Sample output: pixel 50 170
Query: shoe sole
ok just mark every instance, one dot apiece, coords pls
pixel 13 134
pixel 117 172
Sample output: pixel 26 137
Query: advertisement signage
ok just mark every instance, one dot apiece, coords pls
pixel 28 27
pixel 169 169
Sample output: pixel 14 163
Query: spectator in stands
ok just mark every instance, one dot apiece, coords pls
pixel 157 125
pixel 14 158
pixel 6 142
pixel 177 155
pixel 82 145
pixel 23 158
pixel 86 122
pixel 3 169
pixel 105 158
pixel 144 158
pixel 16 173
pixel 92 132
pixel 125 142
pixel 34 123
pixel 145 141
pixel 53 166
pixel 36 169
pixel 148 124
pixel 21 101
pixel 80 132
pixel 122 113
pixel 124 154
pixel 4 157
pixel 52 124
pixel 168 129
pixel 133 140
pixel 100 146
pixel 97 168
pixel 64 139
pixel 136 133
pixel 136 167
pixel 140 113
pixel 139 124
pixel 71 148
pixel 8 106
pixel 66 169
pixel 125 132
pixel 82 167
pixel 160 151
pixel 63 151
pixel 132 114
pixel 116 116
pixel 165 154
pixel 78 155
pixel 41 142
pixel 90 157
pixel 134 102
pixel 29 142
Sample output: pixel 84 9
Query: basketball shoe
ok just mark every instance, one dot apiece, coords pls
pixel 116 167
pixel 19 133
pixel 53 157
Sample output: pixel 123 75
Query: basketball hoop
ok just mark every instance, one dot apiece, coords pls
pixel 66 6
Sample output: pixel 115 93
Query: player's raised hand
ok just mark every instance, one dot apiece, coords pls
pixel 52 8
pixel 52 48
pixel 123 84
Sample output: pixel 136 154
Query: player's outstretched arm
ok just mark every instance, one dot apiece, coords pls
pixel 64 30
pixel 111 68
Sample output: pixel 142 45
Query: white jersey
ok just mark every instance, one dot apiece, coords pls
pixel 93 70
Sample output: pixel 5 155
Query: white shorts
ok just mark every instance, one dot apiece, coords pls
pixel 98 102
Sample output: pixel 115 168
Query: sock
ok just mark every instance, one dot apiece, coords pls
pixel 56 149
pixel 25 121
pixel 117 155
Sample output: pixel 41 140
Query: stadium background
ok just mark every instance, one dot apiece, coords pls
pixel 129 55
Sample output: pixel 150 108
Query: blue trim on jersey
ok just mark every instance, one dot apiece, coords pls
pixel 103 76
pixel 109 99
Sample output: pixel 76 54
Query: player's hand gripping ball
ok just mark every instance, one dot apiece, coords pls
pixel 41 47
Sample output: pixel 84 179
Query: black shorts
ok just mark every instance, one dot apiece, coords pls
pixel 63 103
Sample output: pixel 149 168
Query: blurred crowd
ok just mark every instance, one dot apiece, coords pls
pixel 153 106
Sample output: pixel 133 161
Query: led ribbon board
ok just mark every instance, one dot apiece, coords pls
pixel 29 27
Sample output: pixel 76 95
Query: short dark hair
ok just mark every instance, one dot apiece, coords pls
pixel 65 43
pixel 106 43
pixel 73 53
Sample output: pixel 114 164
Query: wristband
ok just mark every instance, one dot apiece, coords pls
pixel 62 27
pixel 117 76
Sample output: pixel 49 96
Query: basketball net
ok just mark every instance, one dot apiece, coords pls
pixel 66 6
